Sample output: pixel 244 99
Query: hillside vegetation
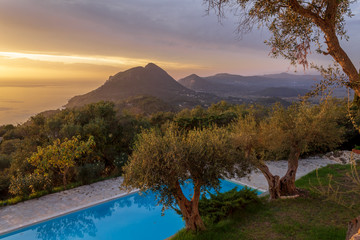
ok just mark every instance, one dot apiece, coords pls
pixel 113 134
pixel 113 129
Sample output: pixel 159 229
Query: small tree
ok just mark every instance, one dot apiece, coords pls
pixel 164 162
pixel 60 157
pixel 288 132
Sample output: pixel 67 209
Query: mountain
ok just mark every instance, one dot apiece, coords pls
pixel 150 80
pixel 194 82
pixel 220 88
pixel 270 80
pixel 230 85
pixel 144 90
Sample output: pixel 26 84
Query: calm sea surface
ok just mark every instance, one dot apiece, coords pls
pixel 20 100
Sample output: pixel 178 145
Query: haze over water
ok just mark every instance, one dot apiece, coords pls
pixel 19 101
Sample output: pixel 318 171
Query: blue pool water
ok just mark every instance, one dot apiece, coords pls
pixel 135 216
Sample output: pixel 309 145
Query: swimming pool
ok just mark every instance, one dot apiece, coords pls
pixel 135 216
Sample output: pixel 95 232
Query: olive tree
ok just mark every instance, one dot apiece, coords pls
pixel 289 132
pixel 163 162
pixel 297 26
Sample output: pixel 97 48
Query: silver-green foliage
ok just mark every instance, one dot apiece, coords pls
pixel 161 160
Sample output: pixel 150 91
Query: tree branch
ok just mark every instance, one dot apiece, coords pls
pixel 305 12
pixel 330 12
pixel 327 25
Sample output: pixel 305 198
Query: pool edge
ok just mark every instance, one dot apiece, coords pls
pixel 263 191
pixel 37 221
pixel 19 227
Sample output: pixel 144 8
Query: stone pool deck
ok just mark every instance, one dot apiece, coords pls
pixel 60 203
pixel 52 205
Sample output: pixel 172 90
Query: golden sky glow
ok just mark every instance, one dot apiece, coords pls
pixel 96 60
pixel 44 66
pixel 51 50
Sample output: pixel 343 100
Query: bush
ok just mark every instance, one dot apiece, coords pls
pixel 119 162
pixel 40 183
pixel 5 128
pixel 88 172
pixel 4 184
pixel 9 146
pixel 221 205
pixel 25 185
pixel 20 185
pixel 5 161
pixel 13 200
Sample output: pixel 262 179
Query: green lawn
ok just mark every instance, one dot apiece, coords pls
pixel 308 217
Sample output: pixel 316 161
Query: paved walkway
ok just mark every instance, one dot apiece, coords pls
pixel 36 210
pixel 257 180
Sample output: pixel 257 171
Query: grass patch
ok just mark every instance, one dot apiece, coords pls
pixel 305 218
pixel 320 176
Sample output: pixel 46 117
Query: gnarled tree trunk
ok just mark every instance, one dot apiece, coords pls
pixel 190 209
pixel 273 181
pixel 287 182
pixel 286 185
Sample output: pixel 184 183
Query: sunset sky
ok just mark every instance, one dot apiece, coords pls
pixel 51 50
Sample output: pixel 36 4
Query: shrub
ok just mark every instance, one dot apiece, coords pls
pixel 9 146
pixel 5 161
pixel 119 162
pixel 4 184
pixel 13 200
pixel 20 185
pixel 221 205
pixel 88 172
pixel 40 183
pixel 25 185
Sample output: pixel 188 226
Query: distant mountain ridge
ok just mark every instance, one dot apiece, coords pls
pixel 199 84
pixel 150 88
pixel 230 85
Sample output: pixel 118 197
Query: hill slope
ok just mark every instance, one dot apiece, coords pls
pixel 220 88
pixel 140 81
